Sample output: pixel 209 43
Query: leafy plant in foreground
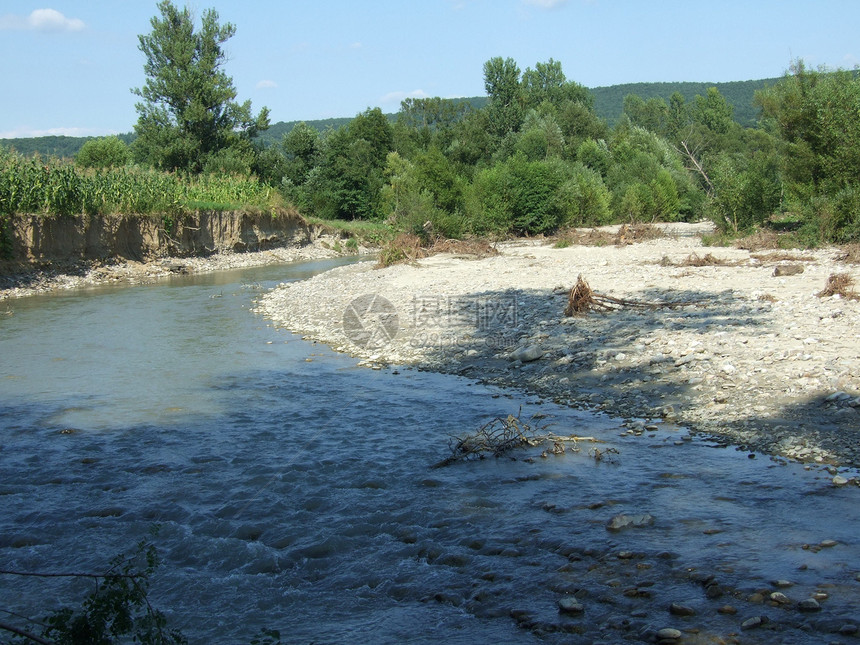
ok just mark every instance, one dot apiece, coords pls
pixel 116 610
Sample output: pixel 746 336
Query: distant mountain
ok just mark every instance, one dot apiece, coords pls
pixel 53 145
pixel 608 103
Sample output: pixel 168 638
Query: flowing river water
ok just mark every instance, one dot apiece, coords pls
pixel 293 491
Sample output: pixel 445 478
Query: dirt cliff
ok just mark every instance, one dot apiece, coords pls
pixel 38 239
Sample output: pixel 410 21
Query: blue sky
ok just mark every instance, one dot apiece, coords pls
pixel 67 66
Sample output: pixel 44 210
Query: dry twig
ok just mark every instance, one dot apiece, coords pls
pixel 839 284
pixel 500 436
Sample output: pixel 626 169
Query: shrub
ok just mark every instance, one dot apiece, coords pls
pixel 104 152
pixel 521 196
pixel 584 199
pixel 839 215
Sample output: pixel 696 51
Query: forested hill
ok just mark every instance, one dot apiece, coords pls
pixel 608 104
pixel 609 101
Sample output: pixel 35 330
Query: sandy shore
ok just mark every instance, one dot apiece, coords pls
pixel 29 281
pixel 754 359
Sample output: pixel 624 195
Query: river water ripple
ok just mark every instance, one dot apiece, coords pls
pixel 293 491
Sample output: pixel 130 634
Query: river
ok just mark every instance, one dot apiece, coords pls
pixel 293 491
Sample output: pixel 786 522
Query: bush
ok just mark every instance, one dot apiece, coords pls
pixel 104 152
pixel 746 191
pixel 521 196
pixel 838 215
pixel 584 199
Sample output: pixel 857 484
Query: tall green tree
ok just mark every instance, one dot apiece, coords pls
pixel 347 182
pixel 502 83
pixel 547 83
pixel 188 113
pixel 817 114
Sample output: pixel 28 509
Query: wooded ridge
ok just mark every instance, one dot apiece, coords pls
pixel 608 105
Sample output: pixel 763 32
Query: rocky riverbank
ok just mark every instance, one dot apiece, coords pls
pixel 738 345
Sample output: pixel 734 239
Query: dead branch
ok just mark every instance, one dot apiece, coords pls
pixel 582 299
pixel 69 575
pixel 696 166
pixel 500 436
pixel 24 634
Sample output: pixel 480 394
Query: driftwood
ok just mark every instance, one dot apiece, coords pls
pixel 581 299
pixel 500 437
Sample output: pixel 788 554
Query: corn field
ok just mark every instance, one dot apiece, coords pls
pixel 53 188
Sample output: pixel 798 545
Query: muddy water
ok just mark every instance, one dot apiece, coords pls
pixel 293 491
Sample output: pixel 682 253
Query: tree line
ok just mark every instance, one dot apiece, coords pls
pixel 534 157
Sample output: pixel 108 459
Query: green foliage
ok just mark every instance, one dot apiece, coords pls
pixel 117 610
pixel 652 114
pixel 713 111
pixel 546 83
pixel 837 216
pixel 541 137
pixel 609 101
pixel 347 182
pixel 188 115
pixel 814 114
pixel 413 194
pixel 521 196
pixel 104 152
pixel 301 149
pixel 746 191
pixel 646 177
pixel 502 83
pixel 584 199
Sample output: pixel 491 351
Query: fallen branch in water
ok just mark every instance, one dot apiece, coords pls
pixel 500 436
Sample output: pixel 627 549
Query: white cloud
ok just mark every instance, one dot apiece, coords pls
pixel 266 84
pixel 41 20
pixel 396 97
pixel 356 45
pixel 545 4
pixel 53 20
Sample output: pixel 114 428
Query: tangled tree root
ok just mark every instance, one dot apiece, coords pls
pixel 582 299
pixel 839 284
pixel 500 437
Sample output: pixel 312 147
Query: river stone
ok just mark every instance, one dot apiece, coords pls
pixel 669 634
pixel 677 609
pixel 780 598
pixel 570 605
pixel 839 480
pixel 622 521
pixel 526 354
pixel 810 604
pixel 787 269
pixel 752 623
